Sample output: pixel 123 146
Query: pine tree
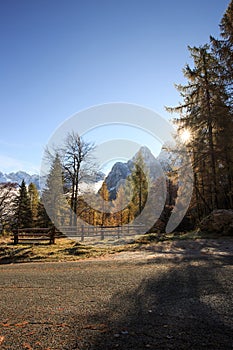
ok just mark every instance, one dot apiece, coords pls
pixel 34 201
pixel 105 197
pixel 23 213
pixel 205 113
pixel 224 49
pixel 139 184
pixel 53 195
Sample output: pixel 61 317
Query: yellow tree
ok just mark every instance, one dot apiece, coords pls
pixel 34 200
pixel 120 207
pixel 105 198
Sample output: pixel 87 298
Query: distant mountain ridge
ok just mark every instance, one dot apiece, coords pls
pixel 19 176
pixel 117 176
pixel 120 171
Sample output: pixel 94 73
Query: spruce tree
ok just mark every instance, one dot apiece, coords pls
pixel 53 195
pixel 223 48
pixel 205 113
pixel 23 213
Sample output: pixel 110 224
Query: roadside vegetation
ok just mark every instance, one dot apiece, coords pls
pixel 204 124
pixel 68 250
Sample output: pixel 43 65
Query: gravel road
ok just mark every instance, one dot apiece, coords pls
pixel 151 300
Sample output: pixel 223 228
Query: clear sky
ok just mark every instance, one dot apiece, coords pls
pixel 61 56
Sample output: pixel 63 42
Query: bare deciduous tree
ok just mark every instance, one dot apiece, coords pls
pixel 77 161
pixel 8 192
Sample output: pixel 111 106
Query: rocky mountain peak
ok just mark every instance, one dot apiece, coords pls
pixel 120 171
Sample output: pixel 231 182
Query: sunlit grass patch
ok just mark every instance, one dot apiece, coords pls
pixel 69 250
pixel 63 250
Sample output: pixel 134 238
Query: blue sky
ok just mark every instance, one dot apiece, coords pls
pixel 59 57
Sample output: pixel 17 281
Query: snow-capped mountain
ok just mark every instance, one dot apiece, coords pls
pixel 117 176
pixel 120 171
pixel 18 176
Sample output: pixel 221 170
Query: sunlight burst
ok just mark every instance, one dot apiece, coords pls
pixel 185 135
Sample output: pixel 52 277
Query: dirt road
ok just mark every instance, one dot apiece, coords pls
pixel 172 299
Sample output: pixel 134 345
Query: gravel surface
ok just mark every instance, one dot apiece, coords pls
pixel 178 297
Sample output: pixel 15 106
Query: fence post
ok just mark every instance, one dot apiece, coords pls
pixel 82 234
pixel 16 236
pixel 102 233
pixel 52 235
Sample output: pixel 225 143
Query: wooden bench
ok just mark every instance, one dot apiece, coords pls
pixel 34 235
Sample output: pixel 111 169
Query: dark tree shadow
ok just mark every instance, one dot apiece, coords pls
pixel 8 257
pixel 184 307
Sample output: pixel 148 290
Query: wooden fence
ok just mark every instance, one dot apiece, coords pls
pixel 89 232
pixel 34 235
pixel 80 232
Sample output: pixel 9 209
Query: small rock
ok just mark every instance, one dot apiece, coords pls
pixel 219 221
pixel 169 336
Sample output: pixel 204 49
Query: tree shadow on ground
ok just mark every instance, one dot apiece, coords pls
pixel 8 256
pixel 184 307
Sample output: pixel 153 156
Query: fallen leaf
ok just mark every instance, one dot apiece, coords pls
pixel 100 326
pixel 1 339
pixel 31 333
pixel 62 325
pixel 21 324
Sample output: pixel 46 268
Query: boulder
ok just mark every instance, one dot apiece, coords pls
pixel 219 221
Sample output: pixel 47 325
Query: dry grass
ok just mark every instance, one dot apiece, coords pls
pixel 63 250
pixel 68 250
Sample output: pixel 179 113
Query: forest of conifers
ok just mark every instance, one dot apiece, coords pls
pixel 205 113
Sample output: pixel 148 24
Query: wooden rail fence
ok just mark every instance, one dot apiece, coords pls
pixel 34 235
pixel 81 232
pixel 85 231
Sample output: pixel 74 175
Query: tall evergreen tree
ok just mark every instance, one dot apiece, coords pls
pixel 23 213
pixel 53 195
pixel 223 48
pixel 205 113
pixel 34 200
